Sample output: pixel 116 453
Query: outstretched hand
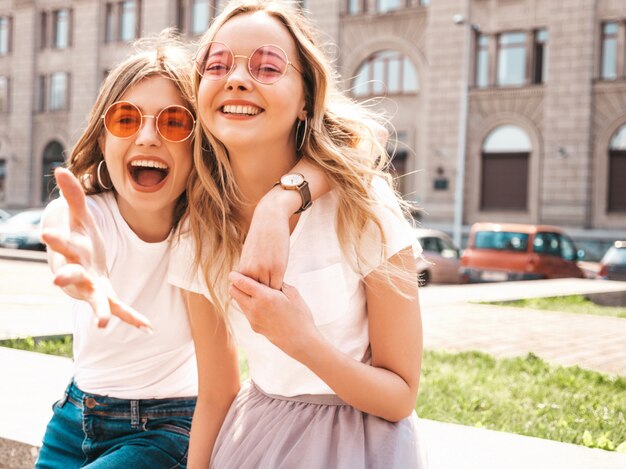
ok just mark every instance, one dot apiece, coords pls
pixel 78 258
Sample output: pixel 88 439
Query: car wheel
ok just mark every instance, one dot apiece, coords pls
pixel 423 278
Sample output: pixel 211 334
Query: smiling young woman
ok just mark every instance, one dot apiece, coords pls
pixel 334 351
pixel 133 391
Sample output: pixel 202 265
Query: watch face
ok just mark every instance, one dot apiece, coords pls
pixel 292 179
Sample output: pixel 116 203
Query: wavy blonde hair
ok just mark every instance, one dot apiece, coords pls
pixel 163 55
pixel 341 140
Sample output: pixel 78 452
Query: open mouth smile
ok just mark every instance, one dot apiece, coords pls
pixel 241 110
pixel 148 174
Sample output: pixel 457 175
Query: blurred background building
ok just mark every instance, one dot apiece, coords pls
pixel 516 106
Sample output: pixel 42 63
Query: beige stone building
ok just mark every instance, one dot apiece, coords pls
pixel 540 84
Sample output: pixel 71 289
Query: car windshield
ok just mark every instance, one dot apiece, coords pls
pixel 615 256
pixel 501 240
pixel 25 218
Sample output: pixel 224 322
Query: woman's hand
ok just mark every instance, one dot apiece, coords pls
pixel 77 258
pixel 281 316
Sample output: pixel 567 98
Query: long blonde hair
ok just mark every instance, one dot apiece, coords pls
pixel 163 55
pixel 340 140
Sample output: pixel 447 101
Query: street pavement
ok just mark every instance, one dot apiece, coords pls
pixel 31 305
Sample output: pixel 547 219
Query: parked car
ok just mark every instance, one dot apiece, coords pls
pixel 500 252
pixel 613 263
pixel 441 258
pixel 21 231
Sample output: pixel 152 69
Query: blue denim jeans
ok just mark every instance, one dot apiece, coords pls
pixel 88 430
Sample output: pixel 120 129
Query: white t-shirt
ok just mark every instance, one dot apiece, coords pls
pixel 120 360
pixel 331 287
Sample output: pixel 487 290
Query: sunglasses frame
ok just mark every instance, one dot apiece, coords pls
pixel 155 117
pixel 202 51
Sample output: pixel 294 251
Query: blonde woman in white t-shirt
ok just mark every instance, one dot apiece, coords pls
pixel 133 390
pixel 335 351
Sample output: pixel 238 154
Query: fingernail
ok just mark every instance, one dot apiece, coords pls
pixel 147 329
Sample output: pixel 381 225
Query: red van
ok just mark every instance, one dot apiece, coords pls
pixel 509 251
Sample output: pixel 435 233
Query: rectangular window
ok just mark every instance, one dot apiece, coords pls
pixel 355 7
pixel 4 95
pixel 512 59
pixel 200 15
pixel 608 69
pixel 128 21
pixel 424 3
pixel 383 6
pixel 109 26
pixel 540 57
pixel 61 29
pixel 58 93
pixel 5 35
pixel 482 61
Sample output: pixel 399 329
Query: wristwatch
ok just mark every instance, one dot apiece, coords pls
pixel 296 182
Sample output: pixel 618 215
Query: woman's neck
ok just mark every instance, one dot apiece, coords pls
pixel 256 171
pixel 149 226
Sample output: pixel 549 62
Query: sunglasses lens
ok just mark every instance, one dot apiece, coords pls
pixel 175 123
pixel 122 119
pixel 214 61
pixel 268 64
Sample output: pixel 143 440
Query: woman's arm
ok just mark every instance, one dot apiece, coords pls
pixel 218 377
pixel 269 230
pixel 386 388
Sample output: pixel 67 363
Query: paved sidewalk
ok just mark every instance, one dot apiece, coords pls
pixel 594 342
pixel 29 383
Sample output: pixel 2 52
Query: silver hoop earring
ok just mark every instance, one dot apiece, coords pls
pixel 100 178
pixel 299 146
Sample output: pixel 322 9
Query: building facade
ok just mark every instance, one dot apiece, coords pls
pixel 519 103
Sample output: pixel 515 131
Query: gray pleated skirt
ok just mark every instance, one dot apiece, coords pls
pixel 263 431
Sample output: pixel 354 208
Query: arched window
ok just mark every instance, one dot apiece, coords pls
pixel 505 156
pixel 385 72
pixel 617 172
pixel 52 158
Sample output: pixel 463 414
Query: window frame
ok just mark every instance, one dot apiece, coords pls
pixel 402 4
pixel 7 106
pixel 54 43
pixel 361 7
pixel 6 31
pixel 114 21
pixel 384 58
pixel 523 45
pixel 604 37
pixel 53 106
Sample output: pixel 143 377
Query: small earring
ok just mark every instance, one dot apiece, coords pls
pixel 100 178
pixel 299 146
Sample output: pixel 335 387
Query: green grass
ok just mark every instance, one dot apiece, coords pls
pixel 520 395
pixel 61 345
pixel 525 396
pixel 568 304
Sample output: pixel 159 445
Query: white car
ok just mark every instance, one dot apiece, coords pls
pixel 21 231
pixel 441 258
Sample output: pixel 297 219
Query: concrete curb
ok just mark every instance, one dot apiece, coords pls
pixel 23 255
pixel 17 455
